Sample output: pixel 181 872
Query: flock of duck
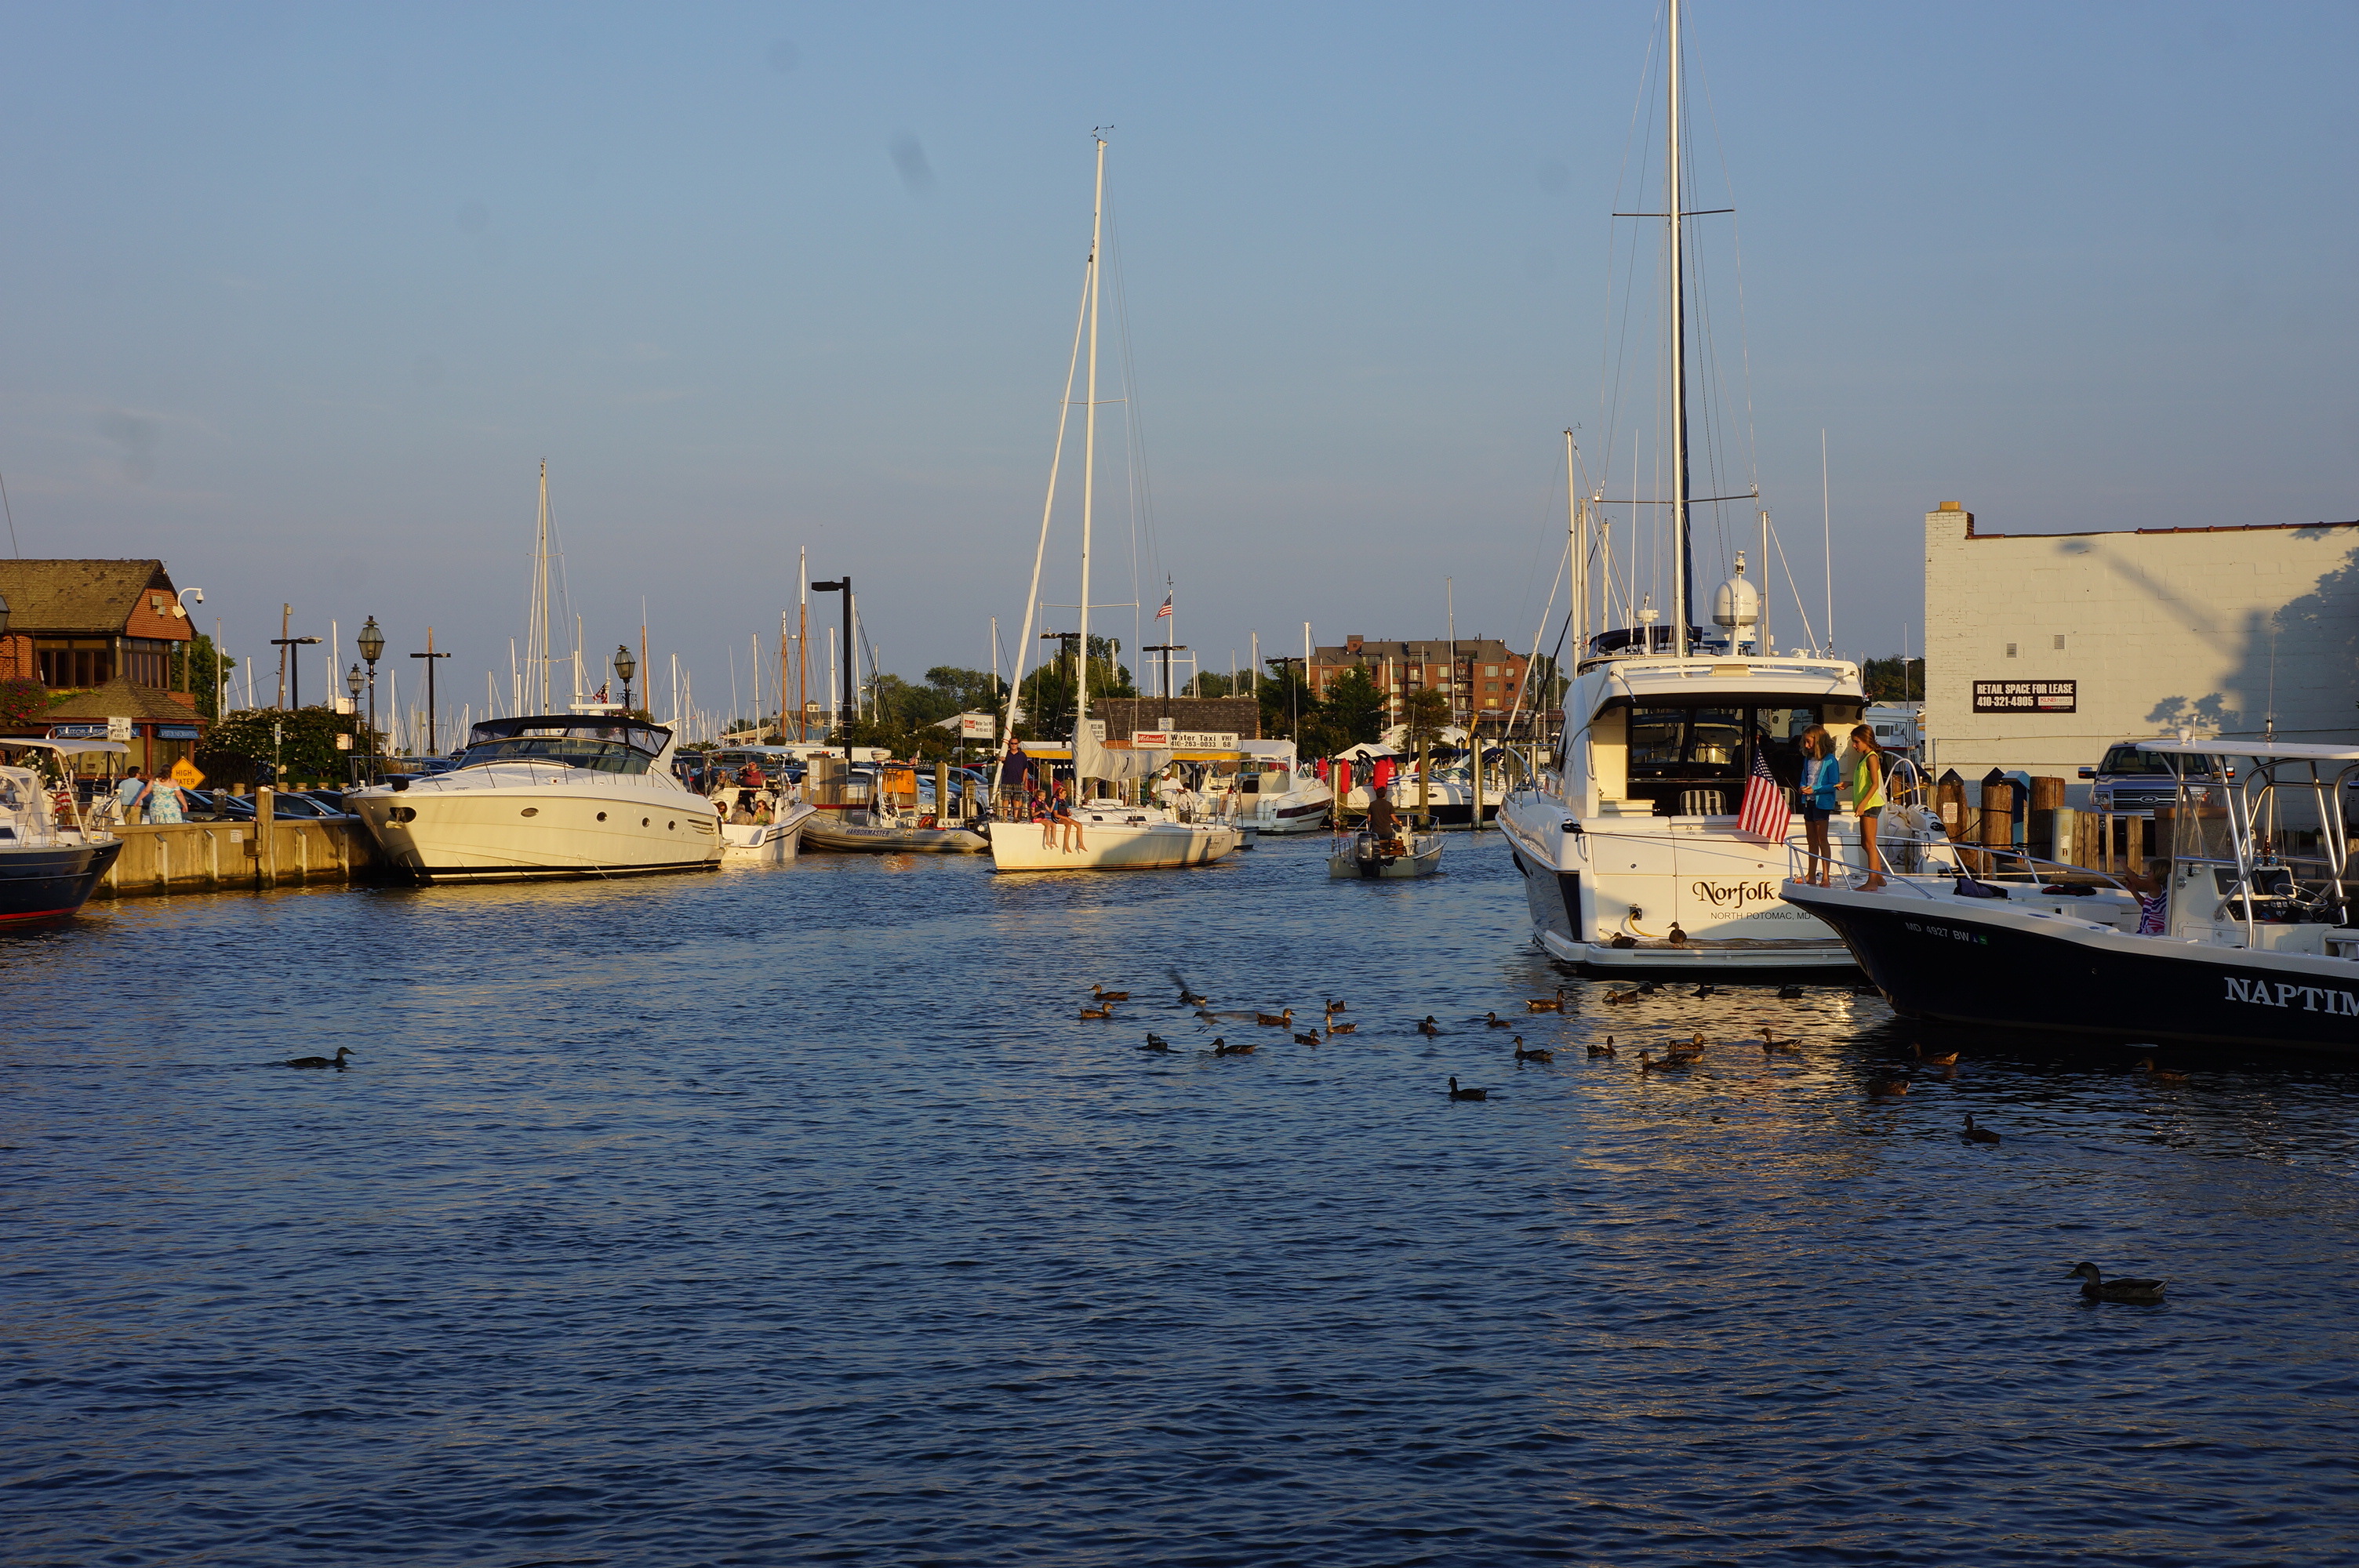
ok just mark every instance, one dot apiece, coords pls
pixel 1677 1055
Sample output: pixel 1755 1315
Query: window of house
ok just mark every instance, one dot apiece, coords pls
pixel 2060 641
pixel 70 663
pixel 2010 649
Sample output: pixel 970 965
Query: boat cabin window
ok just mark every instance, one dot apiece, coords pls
pixel 603 747
pixel 1695 757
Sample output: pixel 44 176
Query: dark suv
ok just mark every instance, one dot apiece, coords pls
pixel 2132 780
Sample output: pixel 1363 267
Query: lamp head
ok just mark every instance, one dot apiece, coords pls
pixel 624 666
pixel 353 680
pixel 827 587
pixel 371 641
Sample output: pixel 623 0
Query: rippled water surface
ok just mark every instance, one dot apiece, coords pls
pixel 794 1214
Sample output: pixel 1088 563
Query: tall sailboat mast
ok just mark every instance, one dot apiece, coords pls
pixel 536 631
pixel 1090 451
pixel 1682 560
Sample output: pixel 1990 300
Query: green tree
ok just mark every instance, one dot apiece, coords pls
pixel 1355 706
pixel 1425 712
pixel 1891 680
pixel 241 748
pixel 1209 684
pixel 204 678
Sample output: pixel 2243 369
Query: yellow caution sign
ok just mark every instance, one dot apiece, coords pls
pixel 185 774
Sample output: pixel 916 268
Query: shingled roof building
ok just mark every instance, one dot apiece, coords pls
pixel 102 634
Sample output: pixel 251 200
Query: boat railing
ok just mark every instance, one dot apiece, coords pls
pixel 1990 865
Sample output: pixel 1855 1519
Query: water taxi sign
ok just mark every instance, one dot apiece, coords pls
pixel 1185 739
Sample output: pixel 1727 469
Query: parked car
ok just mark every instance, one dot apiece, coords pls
pixel 2131 780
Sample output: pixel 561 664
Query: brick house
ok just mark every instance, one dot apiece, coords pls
pixel 104 637
pixel 1488 673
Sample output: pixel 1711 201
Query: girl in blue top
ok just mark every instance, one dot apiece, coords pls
pixel 1821 777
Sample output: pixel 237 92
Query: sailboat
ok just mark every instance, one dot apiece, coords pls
pixel 1630 848
pixel 1096 832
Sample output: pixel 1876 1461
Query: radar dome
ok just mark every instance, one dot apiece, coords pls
pixel 1736 603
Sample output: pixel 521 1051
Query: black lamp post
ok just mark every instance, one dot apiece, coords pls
pixel 294 646
pixel 353 684
pixel 625 667
pixel 433 735
pixel 371 645
pixel 843 587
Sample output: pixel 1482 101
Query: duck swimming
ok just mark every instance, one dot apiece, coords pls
pixel 1334 1028
pixel 1335 1005
pixel 1101 994
pixel 1302 1039
pixel 1429 1026
pixel 2097 1287
pixel 336 1061
pixel 1221 1047
pixel 1545 1004
pixel 1884 1087
pixel 1155 1042
pixel 1543 1057
pixel 1604 1050
pixel 1948 1059
pixel 1105 1011
pixel 1646 1063
pixel 1789 993
pixel 2161 1075
pixel 1495 1021
pixel 1457 1093
pixel 1973 1134
pixel 1276 1020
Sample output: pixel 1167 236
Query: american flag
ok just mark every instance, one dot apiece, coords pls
pixel 1165 610
pixel 1766 813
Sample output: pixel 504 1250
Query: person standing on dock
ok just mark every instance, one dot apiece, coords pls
pixel 1867 799
pixel 133 785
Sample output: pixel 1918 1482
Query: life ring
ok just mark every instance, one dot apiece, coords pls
pixel 926 821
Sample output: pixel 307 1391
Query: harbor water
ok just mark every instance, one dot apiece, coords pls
pixel 794 1214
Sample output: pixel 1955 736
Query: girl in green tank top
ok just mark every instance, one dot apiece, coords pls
pixel 1867 799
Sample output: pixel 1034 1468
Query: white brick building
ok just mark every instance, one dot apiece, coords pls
pixel 2041 648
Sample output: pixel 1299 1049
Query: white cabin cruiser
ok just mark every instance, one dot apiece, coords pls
pixel 556 795
pixel 53 854
pixel 1264 787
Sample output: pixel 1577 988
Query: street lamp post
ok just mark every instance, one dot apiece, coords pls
pixel 371 645
pixel 353 684
pixel 843 587
pixel 625 667
pixel 1167 650
pixel 294 646
pixel 189 659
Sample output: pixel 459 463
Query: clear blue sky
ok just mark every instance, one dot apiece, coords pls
pixel 298 296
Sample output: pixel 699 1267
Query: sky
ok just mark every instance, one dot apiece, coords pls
pixel 299 298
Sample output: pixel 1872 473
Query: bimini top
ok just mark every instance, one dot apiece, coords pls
pixel 67 747
pixel 572 740
pixel 1647 681
pixel 2259 750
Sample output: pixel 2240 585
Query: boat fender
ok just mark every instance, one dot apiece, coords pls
pixel 399 782
pixel 1518 860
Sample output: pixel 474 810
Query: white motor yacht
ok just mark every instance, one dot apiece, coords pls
pixel 53 854
pixel 553 796
pixel 1264 787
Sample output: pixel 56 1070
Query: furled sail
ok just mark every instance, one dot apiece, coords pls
pixel 1092 761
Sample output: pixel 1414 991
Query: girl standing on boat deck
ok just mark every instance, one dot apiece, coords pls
pixel 1867 799
pixel 1821 778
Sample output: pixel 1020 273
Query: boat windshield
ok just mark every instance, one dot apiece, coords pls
pixel 603 747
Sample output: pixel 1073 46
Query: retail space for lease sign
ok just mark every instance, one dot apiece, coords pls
pixel 2027 697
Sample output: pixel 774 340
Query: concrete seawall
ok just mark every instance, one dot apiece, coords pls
pixel 207 856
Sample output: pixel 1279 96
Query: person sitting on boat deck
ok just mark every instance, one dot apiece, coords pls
pixel 1821 777
pixel 1867 799
pixel 741 814
pixel 133 785
pixel 1065 818
pixel 2153 901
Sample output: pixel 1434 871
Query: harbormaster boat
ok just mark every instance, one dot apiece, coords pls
pixel 558 795
pixel 2246 939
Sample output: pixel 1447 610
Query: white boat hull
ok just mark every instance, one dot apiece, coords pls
pixel 1109 841
pixel 462 826
pixel 1422 858
pixel 765 843
pixel 1641 894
